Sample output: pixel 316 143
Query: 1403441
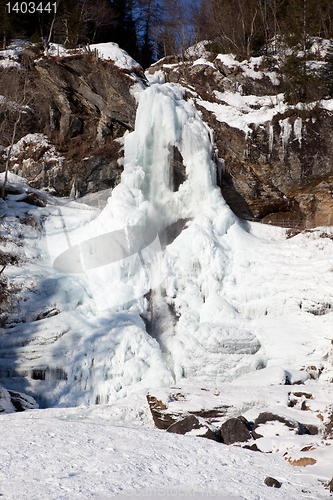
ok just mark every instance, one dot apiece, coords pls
pixel 31 7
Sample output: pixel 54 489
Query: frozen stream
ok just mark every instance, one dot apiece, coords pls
pixel 225 300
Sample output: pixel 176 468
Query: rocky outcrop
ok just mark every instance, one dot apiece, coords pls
pixel 279 168
pixel 276 165
pixel 86 105
pixel 193 425
pixel 12 401
pixel 88 96
pixel 202 413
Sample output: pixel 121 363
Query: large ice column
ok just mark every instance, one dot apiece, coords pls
pixel 165 119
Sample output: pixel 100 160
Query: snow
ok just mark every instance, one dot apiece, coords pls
pixel 107 51
pixel 82 453
pixel 237 313
pixel 240 111
pixel 198 50
pixel 7 63
pixel 112 52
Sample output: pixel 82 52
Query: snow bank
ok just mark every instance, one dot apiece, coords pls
pixel 112 52
pixel 107 51
pixel 81 453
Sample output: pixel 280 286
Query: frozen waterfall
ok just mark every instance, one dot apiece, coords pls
pixel 113 281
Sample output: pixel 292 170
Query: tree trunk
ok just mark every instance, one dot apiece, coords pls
pixel 3 189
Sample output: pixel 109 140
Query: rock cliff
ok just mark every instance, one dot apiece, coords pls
pixel 86 103
pixel 274 160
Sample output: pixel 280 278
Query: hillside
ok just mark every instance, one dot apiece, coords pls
pixel 153 303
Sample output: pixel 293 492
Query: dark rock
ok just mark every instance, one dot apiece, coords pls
pixel 185 425
pixel 234 430
pixel 161 417
pixel 270 481
pixel 190 423
pixel 171 409
pixel 252 447
pixel 307 395
pixel 34 199
pixel 11 401
pixel 245 422
pixel 265 417
pixel 310 429
pixel 22 402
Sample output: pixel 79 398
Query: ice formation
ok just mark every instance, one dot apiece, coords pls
pixel 145 199
pixel 127 312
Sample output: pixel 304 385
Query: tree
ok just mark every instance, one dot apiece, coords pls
pixel 99 18
pixel 148 18
pixel 124 30
pixel 5 24
pixel 12 112
pixel 176 32
pixel 327 73
pixel 235 25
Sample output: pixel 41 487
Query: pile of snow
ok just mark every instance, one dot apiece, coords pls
pixel 112 52
pixel 198 51
pixel 109 51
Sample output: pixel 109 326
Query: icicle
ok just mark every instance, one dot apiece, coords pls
pixel 286 129
pixel 298 130
pixel 271 138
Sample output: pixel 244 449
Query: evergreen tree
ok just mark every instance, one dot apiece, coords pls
pixel 124 30
pixel 148 18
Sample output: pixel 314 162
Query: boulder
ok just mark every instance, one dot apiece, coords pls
pixel 266 417
pixel 172 405
pixel 12 401
pixel 22 402
pixel 235 430
pixel 270 481
pixel 162 419
pixel 293 425
pixel 192 423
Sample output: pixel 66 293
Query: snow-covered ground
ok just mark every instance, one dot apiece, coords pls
pixel 237 308
pixel 98 453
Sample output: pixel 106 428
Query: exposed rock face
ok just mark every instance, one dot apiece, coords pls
pixel 12 401
pixel 82 88
pixel 89 104
pixel 281 168
pixel 167 408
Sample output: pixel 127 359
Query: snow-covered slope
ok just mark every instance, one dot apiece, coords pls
pixel 105 309
pixel 85 453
